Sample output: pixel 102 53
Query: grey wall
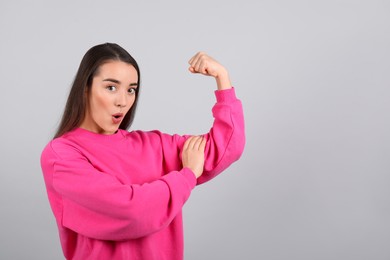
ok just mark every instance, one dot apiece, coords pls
pixel 313 182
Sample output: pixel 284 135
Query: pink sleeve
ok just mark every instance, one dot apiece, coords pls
pixel 226 138
pixel 97 205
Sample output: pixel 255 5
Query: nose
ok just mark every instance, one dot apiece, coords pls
pixel 121 100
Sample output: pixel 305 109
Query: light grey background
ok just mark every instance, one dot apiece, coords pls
pixel 313 76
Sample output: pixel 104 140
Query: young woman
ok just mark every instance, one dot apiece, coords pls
pixel 117 194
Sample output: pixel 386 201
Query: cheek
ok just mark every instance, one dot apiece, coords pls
pixel 102 101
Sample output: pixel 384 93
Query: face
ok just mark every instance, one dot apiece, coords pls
pixel 110 97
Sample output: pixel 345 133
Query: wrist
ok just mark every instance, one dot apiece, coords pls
pixel 196 175
pixel 223 80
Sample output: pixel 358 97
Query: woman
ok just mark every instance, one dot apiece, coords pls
pixel 117 194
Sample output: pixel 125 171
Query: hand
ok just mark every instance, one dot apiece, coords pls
pixel 204 64
pixel 193 154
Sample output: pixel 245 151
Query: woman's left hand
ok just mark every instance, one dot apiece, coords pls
pixel 206 65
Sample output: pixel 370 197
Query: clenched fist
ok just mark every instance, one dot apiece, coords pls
pixel 204 64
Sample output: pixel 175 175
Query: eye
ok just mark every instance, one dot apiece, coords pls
pixel 111 88
pixel 131 90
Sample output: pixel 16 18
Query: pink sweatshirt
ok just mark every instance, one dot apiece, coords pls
pixel 120 196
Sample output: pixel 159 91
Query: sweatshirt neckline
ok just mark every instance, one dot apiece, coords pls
pixel 92 135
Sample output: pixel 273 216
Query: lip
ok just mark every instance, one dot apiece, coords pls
pixel 117 118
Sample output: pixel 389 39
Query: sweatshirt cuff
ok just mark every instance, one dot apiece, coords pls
pixel 225 95
pixel 190 177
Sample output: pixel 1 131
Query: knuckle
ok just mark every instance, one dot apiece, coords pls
pixel 202 54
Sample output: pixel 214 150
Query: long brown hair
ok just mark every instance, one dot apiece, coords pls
pixel 75 107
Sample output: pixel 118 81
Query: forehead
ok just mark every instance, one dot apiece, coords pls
pixel 118 70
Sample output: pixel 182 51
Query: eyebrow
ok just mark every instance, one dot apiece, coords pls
pixel 118 82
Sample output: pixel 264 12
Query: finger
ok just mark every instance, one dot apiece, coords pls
pixel 198 142
pixel 195 143
pixel 191 69
pixel 190 142
pixel 197 60
pixel 194 65
pixel 199 65
pixel 192 59
pixel 204 68
pixel 196 57
pixel 187 143
pixel 202 144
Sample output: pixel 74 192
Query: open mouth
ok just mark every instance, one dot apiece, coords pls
pixel 117 118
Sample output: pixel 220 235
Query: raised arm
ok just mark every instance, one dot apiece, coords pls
pixel 226 138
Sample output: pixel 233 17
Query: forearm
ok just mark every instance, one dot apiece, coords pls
pixel 101 207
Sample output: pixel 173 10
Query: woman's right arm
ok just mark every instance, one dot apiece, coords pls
pixel 97 205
